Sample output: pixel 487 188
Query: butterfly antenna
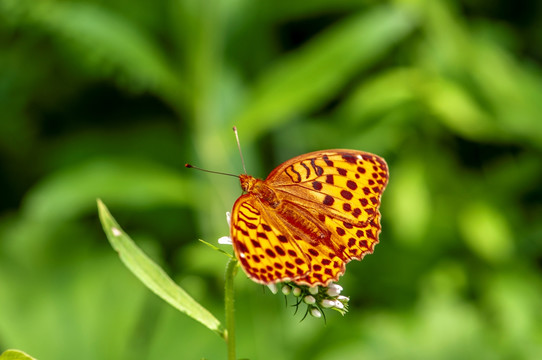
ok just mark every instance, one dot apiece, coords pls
pixel 209 171
pixel 239 147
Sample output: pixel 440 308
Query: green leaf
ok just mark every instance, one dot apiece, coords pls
pixel 487 232
pixel 71 190
pixel 152 275
pixel 15 355
pixel 104 41
pixel 380 94
pixel 315 72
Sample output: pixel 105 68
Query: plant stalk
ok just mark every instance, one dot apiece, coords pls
pixel 231 271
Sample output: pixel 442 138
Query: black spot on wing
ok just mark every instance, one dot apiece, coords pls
pixel 317 169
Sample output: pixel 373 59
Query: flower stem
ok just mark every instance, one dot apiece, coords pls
pixel 231 271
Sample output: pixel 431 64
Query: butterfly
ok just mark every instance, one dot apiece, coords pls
pixel 311 216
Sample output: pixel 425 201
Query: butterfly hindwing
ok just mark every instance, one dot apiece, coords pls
pixel 266 251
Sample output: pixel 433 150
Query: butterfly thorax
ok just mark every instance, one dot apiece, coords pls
pixel 259 189
pixel 290 213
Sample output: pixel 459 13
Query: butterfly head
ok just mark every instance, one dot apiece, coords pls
pixel 259 189
pixel 248 182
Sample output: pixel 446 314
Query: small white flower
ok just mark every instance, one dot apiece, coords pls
pixel 225 240
pixel 343 298
pixel 316 313
pixel 313 290
pixel 273 288
pixel 286 290
pixel 309 299
pixel 339 305
pixel 334 289
pixel 328 303
pixel 296 291
pixel 228 218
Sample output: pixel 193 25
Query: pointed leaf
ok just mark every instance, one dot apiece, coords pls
pixel 152 275
pixel 316 71
pixel 15 355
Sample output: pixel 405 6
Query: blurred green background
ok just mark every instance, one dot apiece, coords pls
pixel 109 99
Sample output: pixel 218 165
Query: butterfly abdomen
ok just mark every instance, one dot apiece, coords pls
pixel 303 221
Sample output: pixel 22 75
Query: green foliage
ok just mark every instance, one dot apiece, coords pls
pixel 152 275
pixel 282 92
pixel 15 355
pixel 109 100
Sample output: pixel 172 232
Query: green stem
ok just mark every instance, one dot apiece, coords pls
pixel 231 270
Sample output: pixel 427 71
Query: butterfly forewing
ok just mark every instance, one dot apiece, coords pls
pixel 344 183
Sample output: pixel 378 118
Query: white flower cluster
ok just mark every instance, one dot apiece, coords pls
pixel 317 298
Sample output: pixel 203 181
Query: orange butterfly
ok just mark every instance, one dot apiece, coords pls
pixel 310 217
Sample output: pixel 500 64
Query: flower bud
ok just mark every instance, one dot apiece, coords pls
pixel 328 303
pixel 339 305
pixel 286 290
pixel 334 290
pixel 316 313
